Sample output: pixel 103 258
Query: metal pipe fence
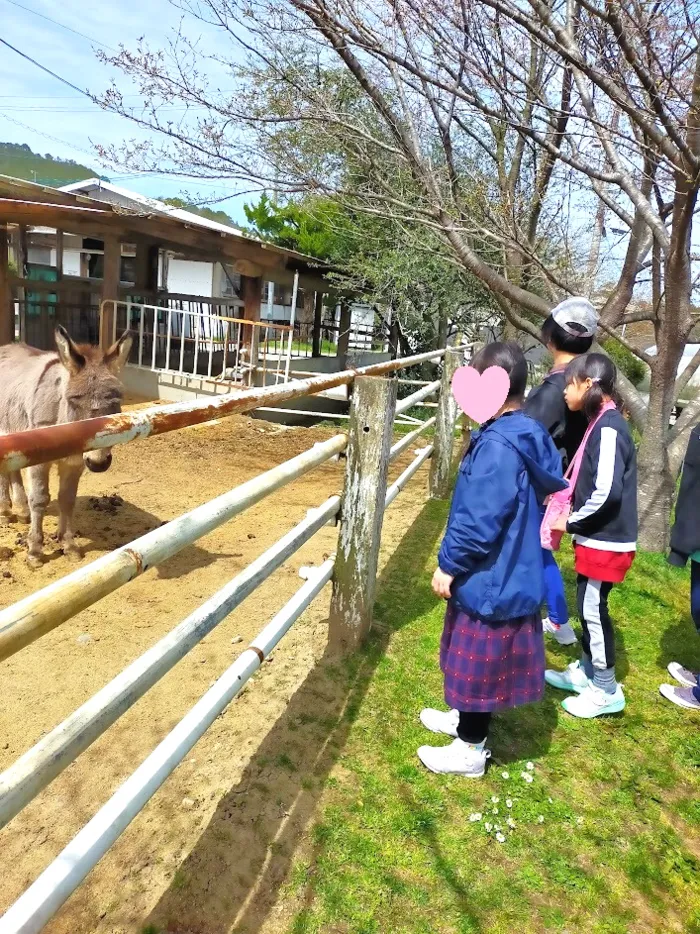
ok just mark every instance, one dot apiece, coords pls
pixel 37 614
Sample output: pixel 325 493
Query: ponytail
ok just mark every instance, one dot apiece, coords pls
pixel 601 370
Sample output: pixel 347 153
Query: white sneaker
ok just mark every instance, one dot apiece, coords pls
pixel 683 697
pixel 572 678
pixel 683 675
pixel 594 702
pixel 440 721
pixel 459 758
pixel 564 635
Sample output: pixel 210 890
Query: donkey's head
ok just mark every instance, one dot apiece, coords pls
pixel 93 387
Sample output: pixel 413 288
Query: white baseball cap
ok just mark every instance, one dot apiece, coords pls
pixel 576 316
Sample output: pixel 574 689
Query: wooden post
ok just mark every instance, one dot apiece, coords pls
pixel 7 308
pixel 251 293
pixel 110 290
pixel 344 333
pixel 146 268
pixel 59 256
pixel 316 340
pixel 20 249
pixel 362 511
pixel 441 461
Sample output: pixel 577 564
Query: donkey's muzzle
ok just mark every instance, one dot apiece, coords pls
pixel 99 466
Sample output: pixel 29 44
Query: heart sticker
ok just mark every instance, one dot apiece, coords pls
pixel 480 395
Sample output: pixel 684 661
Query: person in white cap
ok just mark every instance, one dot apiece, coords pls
pixel 567 333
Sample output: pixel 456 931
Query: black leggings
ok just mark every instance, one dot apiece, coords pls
pixel 473 726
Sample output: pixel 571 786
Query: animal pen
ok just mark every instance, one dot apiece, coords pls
pixel 368 450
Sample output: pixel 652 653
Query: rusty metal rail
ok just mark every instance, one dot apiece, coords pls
pixel 43 445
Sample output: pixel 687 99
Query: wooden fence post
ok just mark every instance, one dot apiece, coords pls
pixel 441 461
pixel 362 511
pixel 7 305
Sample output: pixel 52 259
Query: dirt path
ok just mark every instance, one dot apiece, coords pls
pixel 149 483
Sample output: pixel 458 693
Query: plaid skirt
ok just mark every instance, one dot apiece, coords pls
pixel 491 666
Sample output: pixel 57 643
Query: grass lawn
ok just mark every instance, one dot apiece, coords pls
pixel 607 835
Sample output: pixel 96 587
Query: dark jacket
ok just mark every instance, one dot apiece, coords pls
pixel 685 535
pixel 546 404
pixel 604 512
pixel 492 542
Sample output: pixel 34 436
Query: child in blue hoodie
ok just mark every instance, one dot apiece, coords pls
pixel 490 571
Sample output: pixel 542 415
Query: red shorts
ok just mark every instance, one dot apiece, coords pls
pixel 608 566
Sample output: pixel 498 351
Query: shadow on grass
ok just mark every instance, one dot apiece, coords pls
pixel 231 879
pixel 681 643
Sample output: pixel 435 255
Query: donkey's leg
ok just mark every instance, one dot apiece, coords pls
pixel 20 505
pixel 5 503
pixel 38 501
pixel 69 475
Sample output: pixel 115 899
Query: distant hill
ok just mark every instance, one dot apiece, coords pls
pixel 221 216
pixel 18 160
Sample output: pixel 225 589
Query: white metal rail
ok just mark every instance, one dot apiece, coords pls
pixel 45 896
pixel 39 613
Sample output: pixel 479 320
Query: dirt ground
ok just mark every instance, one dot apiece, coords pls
pixel 203 855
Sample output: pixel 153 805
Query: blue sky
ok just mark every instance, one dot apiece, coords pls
pixel 38 110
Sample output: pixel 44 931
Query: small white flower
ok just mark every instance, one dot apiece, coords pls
pixel 511 823
pixel 530 766
pixel 505 774
pixel 579 821
pixel 495 799
pixel 500 838
pixel 550 801
pixel 495 811
pixel 509 802
pixel 488 827
pixel 527 777
pixel 475 817
pixel 540 819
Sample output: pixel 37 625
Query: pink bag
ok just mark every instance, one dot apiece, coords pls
pixel 559 504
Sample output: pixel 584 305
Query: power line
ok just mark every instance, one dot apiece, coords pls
pixel 62 25
pixel 125 176
pixel 44 68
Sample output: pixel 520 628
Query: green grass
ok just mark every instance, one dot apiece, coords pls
pixel 607 836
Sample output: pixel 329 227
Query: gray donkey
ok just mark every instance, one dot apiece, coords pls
pixel 40 388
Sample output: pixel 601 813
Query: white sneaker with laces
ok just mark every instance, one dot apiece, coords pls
pixel 440 721
pixel 594 702
pixel 682 675
pixel 682 697
pixel 564 635
pixel 459 758
pixel 572 678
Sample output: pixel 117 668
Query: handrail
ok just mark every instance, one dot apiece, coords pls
pixel 28 619
pixel 50 756
pixel 34 770
pixel 43 445
pixel 45 896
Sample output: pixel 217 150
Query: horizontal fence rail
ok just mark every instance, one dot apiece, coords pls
pixel 374 405
pixel 59 880
pixel 46 895
pixel 39 613
pixel 43 445
pixel 33 771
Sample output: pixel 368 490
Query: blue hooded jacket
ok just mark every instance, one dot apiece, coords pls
pixel 492 542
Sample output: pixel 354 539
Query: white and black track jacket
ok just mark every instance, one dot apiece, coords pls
pixel 605 498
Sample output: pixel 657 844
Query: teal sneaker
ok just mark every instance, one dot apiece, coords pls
pixel 594 702
pixel 572 678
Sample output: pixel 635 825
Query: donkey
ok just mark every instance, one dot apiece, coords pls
pixel 40 388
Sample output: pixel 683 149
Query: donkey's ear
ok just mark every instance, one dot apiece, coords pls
pixel 68 353
pixel 118 353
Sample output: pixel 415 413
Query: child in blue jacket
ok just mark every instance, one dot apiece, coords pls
pixel 490 571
